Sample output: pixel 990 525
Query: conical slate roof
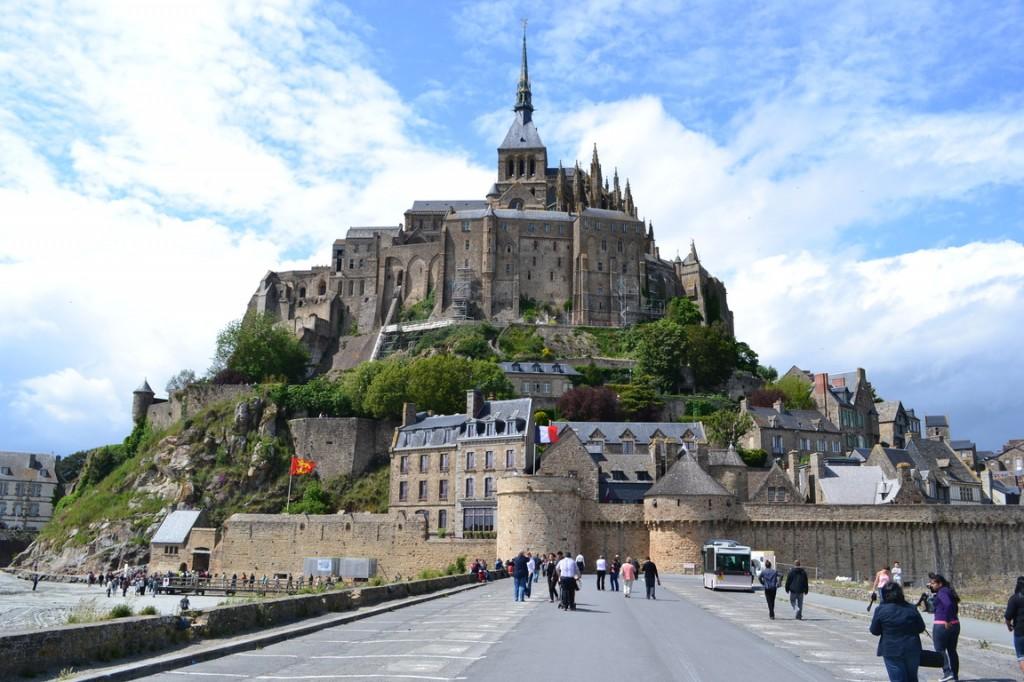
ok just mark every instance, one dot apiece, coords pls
pixel 144 388
pixel 725 458
pixel 686 478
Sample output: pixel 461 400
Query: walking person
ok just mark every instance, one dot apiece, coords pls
pixel 613 573
pixel 531 565
pixel 552 575
pixel 580 562
pixel 898 626
pixel 650 571
pixel 628 576
pixel 1015 620
pixel 519 576
pixel 797 586
pixel 882 578
pixel 602 569
pixel 770 578
pixel 567 571
pixel 897 573
pixel 946 626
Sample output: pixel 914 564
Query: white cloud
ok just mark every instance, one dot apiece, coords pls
pixel 66 397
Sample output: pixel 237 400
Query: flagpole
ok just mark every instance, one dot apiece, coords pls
pixel 288 504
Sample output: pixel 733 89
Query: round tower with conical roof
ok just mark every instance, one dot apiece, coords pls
pixel 142 398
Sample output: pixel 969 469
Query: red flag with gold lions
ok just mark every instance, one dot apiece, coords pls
pixel 301 466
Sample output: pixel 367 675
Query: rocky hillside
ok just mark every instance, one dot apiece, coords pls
pixel 230 457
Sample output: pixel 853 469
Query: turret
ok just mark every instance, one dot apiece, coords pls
pixel 142 398
pixel 630 206
pixel 561 204
pixel 596 184
pixel 616 192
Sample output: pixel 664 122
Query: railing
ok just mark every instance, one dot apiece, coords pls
pixel 780 565
pixel 224 585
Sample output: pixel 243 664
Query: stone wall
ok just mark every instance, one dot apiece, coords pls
pixel 189 401
pixel 539 514
pixel 277 543
pixel 341 445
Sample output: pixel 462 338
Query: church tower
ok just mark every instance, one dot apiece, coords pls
pixel 522 157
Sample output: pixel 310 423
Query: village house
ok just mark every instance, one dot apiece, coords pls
pixel 28 482
pixel 182 543
pixel 848 401
pixel 545 382
pixel 935 468
pixel 896 424
pixel 778 431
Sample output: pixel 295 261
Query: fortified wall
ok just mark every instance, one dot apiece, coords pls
pixel 341 445
pixel 162 413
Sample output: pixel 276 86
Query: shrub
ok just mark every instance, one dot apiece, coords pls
pixel 149 611
pixel 120 611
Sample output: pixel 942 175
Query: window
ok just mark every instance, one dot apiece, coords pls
pixel 547 387
pixel 835 446
pixel 604 244
pixel 3 487
pixel 3 508
pixel 442 518
pixel 510 459
pixel 776 493
pixel 619 246
pixel 403 491
pixel 504 227
pixel 403 464
pixel 444 461
pixel 534 261
pixel 531 228
pixel 967 494
pixel 465 225
pixel 361 262
pixel 508 268
pixel 467 245
pixel 561 229
pixel 351 286
pixel 536 247
pixel 559 261
pixel 821 445
pixel 169 549
pixel 600 266
pixel 478 519
pixel 423 490
pixel 489 459
pixel 470 461
pixel 362 287
pixel 424 463
pixel 470 487
pixel 442 489
pixel 627 447
pixel 488 487
pixel 547 228
pixel 551 276
pixel 777 447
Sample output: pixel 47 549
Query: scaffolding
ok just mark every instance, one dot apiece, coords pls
pixel 462 293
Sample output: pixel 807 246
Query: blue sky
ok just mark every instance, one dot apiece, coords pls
pixel 853 171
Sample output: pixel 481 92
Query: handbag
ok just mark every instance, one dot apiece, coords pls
pixel 932 659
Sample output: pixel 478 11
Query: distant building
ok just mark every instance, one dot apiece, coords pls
pixel 936 427
pixel 935 468
pixel 28 482
pixel 896 424
pixel 181 543
pixel 545 382
pixel 967 451
pixel 847 400
pixel 778 431
pixel 655 443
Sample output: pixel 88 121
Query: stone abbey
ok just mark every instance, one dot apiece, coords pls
pixel 563 239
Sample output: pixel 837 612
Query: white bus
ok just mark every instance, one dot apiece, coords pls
pixel 727 566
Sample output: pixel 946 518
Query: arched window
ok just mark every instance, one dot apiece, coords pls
pixel 522 167
pixel 510 168
pixel 322 288
pixel 533 167
pixel 302 292
pixel 516 204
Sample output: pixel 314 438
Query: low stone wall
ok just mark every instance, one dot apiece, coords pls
pixel 29 652
pixel 979 610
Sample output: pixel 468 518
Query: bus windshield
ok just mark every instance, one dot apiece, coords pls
pixel 733 563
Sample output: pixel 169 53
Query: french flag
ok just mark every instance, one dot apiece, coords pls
pixel 547 434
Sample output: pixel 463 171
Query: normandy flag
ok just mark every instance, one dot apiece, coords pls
pixel 301 467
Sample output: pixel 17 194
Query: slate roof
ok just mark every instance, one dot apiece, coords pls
pixel 514 214
pixel 725 457
pixel 642 431
pixel 609 213
pixel 19 466
pixel 936 420
pixel 857 485
pixel 427 431
pixel 528 367
pixel 686 478
pixel 516 408
pixel 792 420
pixel 370 232
pixel 1005 488
pixel 521 135
pixel 860 454
pixel 176 527
pixel 887 410
pixel 420 206
pixel 144 388
pixel 446 430
pixel 962 444
pixel 935 451
pixel 629 465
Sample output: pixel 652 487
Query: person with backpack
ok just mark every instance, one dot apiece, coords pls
pixel 770 578
pixel 797 585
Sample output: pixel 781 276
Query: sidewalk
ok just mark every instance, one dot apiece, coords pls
pixel 971 629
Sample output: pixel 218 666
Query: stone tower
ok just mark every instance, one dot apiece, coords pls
pixel 538 513
pixel 142 398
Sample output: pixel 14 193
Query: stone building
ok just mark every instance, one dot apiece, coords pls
pixel 778 431
pixel 445 468
pixel 934 468
pixel 566 238
pixel 182 543
pixel 847 400
pixel 937 427
pixel 28 482
pixel 896 424
pixel 544 382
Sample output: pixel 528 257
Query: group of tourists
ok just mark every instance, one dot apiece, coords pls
pixel 563 574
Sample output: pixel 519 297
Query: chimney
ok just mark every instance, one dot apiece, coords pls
pixel 814 474
pixel 839 382
pixel 474 403
pixel 32 462
pixel 820 383
pixel 408 414
pixel 792 464
pixel 862 376
pixel 778 406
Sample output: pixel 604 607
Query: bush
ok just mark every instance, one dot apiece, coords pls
pixel 753 458
pixel 120 611
pixel 587 403
pixel 149 611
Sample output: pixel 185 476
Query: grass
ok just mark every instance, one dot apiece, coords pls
pixel 149 611
pixel 369 492
pixel 521 343
pixel 65 674
pixel 611 342
pixel 86 611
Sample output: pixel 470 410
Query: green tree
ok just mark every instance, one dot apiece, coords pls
pixel 639 400
pixel 753 458
pixel 726 427
pixel 683 312
pixel 356 384
pixel 439 383
pixel 315 500
pixel 488 378
pixel 181 380
pixel 387 391
pixel 797 392
pixel 541 418
pixel 260 349
pixel 661 352
pixel 712 355
pixel 746 358
pixel 319 396
pixel 473 345
pixel 768 373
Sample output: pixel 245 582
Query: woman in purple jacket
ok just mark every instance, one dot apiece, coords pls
pixel 946 625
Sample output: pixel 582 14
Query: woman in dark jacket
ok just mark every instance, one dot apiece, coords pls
pixel 898 625
pixel 946 625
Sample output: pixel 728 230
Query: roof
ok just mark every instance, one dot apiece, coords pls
pixel 28 466
pixel 725 457
pixel 940 457
pixel 634 468
pixel 887 410
pixel 521 135
pixel 642 432
pixel 176 527
pixel 144 388
pixel 1005 488
pixel 430 431
pixel 936 420
pixel 609 213
pixel 686 478
pixel 962 444
pixel 515 214
pixel 791 420
pixel 443 206
pixel 371 232
pixel 857 485
pixel 516 408
pixel 860 454
pixel 527 367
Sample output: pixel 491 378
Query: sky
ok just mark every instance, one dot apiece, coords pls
pixel 853 171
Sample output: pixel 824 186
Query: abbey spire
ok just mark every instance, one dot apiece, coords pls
pixel 524 98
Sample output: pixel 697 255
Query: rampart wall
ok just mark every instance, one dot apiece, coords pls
pixel 342 445
pixel 188 401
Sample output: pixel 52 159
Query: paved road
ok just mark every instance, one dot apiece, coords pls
pixel 686 634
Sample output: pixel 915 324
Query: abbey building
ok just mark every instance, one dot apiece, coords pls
pixel 566 239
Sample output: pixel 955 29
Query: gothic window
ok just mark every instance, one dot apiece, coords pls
pixel 522 167
pixel 322 288
pixel 535 245
pixel 362 287
pixel 533 167
pixel 509 168
pixel 516 204
pixel 302 292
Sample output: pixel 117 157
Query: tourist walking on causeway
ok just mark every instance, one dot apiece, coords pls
pixel 602 569
pixel 530 568
pixel 946 626
pixel 650 572
pixel 580 562
pixel 1015 620
pixel 898 626
pixel 770 579
pixel 520 574
pixel 897 573
pixel 797 586
pixel 552 575
pixel 613 573
pixel 568 572
pixel 628 576
pixel 882 579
